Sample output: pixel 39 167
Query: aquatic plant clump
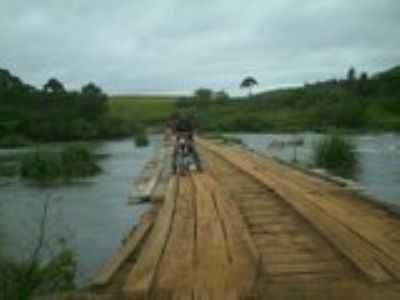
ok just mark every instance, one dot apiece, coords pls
pixel 41 165
pixel 337 155
pixel 78 161
pixel 14 140
pixel 72 161
pixel 140 139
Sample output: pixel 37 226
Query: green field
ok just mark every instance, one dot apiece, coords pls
pixel 149 110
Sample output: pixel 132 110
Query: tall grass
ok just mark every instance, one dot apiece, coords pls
pixel 337 154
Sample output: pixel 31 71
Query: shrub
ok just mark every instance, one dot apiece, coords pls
pixel 30 279
pixel 73 161
pixel 78 161
pixel 336 154
pixel 14 140
pixel 41 165
pixel 140 138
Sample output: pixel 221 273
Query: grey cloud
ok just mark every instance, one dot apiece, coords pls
pixel 179 45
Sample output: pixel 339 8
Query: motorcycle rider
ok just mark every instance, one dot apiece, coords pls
pixel 183 126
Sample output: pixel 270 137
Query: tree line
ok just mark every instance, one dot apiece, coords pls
pixel 53 113
pixel 358 101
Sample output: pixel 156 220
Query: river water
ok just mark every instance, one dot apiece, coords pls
pixel 92 214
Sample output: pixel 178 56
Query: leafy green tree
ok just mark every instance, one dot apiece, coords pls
pixel 364 77
pixel 54 86
pixel 351 75
pixel 91 89
pixel 94 102
pixel 363 85
pixel 202 97
pixel 203 94
pixel 8 81
pixel 248 83
pixel 222 96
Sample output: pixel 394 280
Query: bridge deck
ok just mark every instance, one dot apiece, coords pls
pixel 251 228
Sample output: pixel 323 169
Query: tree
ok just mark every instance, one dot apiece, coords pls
pixel 202 97
pixel 203 94
pixel 54 86
pixel 363 85
pixel 8 81
pixel 91 89
pixel 248 83
pixel 221 96
pixel 94 102
pixel 351 75
pixel 364 77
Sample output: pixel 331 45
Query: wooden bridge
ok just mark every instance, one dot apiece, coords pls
pixel 249 227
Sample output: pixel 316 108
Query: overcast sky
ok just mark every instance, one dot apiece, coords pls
pixel 131 46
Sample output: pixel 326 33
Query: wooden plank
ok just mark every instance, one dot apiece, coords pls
pixel 183 295
pixel 364 218
pixel 351 245
pixel 307 277
pixel 141 277
pixel 211 249
pixel 297 257
pixel 303 268
pixel 385 251
pixel 244 257
pixel 368 225
pixel 179 253
pixel 143 190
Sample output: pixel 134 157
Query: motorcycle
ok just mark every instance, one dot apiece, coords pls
pixel 184 160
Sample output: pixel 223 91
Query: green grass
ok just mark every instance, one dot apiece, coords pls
pixel 338 155
pixel 148 110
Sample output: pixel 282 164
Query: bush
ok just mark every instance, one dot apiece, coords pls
pixel 30 279
pixel 73 161
pixel 336 154
pixel 140 138
pixel 78 161
pixel 41 165
pixel 14 140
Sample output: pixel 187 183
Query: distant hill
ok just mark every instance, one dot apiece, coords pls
pixel 357 102
pixel 393 72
